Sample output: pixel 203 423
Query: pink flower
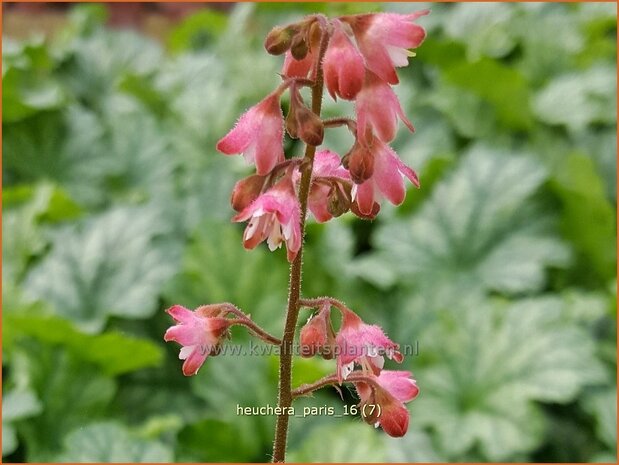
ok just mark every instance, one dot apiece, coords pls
pixel 358 342
pixel 297 68
pixel 275 216
pixel 199 333
pixel 258 135
pixel 384 40
pixel 343 64
pixel 383 405
pixel 387 179
pixel 329 179
pixel 378 108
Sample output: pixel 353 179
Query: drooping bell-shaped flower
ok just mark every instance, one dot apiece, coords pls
pixel 378 108
pixel 343 64
pixel 258 135
pixel 387 179
pixel 385 39
pixel 330 190
pixel 383 404
pixel 274 215
pixel 366 345
pixel 199 332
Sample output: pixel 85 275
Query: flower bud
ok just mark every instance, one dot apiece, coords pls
pixel 279 39
pixel 313 336
pixel 309 126
pixel 299 47
pixel 360 162
pixel 246 191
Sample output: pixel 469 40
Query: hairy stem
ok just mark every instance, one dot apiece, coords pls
pixel 294 284
pixel 330 381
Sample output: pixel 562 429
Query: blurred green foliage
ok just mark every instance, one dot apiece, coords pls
pixel 501 268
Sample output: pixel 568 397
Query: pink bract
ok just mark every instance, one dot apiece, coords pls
pixel 258 135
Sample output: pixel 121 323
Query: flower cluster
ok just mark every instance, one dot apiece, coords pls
pixel 360 351
pixel 358 63
pixel 354 58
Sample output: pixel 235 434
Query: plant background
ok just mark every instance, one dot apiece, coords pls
pixel 501 268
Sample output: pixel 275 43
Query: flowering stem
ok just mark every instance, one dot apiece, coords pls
pixel 331 380
pixel 294 284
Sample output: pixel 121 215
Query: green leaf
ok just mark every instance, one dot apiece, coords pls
pixel 70 391
pixel 343 442
pixel 113 264
pixel 140 149
pixel 497 361
pixel 108 350
pixel 593 96
pixel 603 406
pixel 223 443
pixel 66 147
pixel 416 446
pixel 98 62
pixel 588 218
pixel 229 382
pixel 505 88
pixel 110 442
pixel 482 28
pixel 27 84
pixel 197 31
pixel 17 404
pixel 216 268
pixel 478 230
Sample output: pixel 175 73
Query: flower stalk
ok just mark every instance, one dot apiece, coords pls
pixel 294 283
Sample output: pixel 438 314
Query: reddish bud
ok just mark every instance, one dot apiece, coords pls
pixel 360 162
pixel 246 191
pixel 317 336
pixel 309 126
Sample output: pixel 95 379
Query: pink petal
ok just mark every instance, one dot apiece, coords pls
pixel 365 197
pixel 387 174
pixel 195 360
pixel 181 314
pixel 399 384
pixel 185 335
